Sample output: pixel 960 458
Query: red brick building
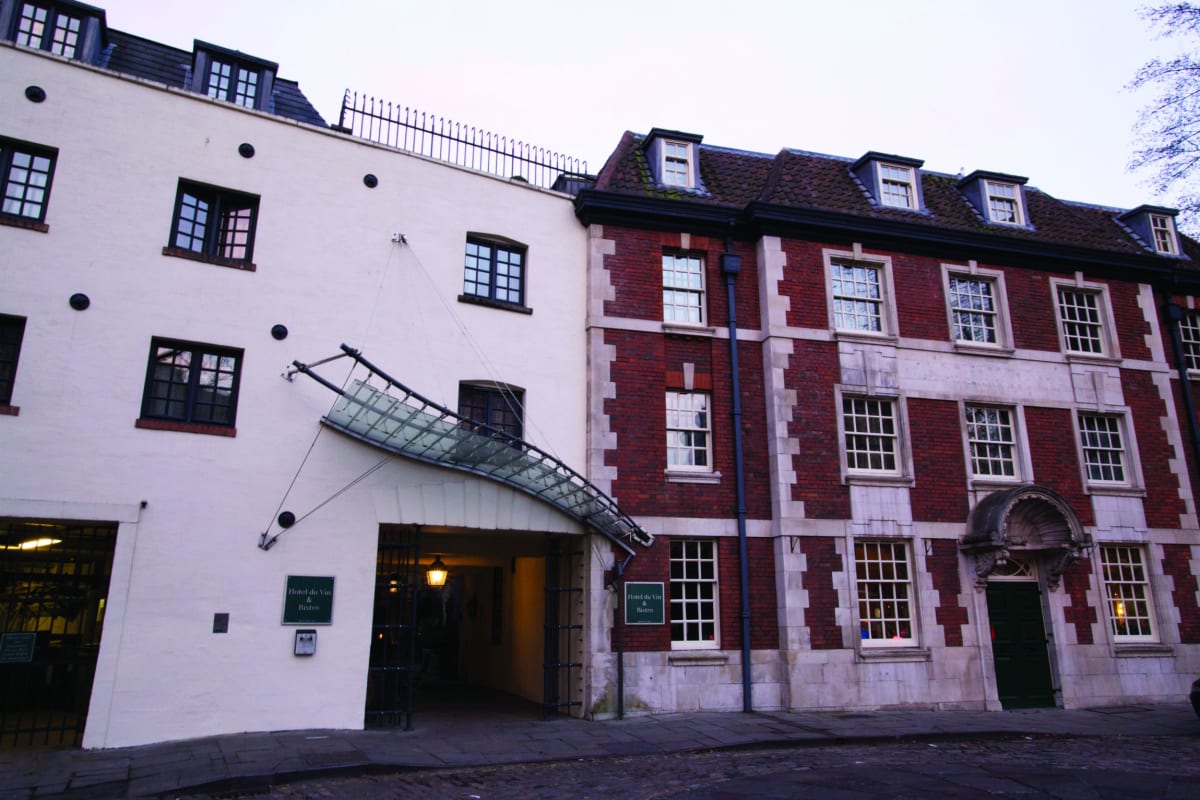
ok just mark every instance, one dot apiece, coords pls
pixel 966 470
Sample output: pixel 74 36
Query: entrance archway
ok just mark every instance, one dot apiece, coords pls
pixel 1036 529
pixel 1032 519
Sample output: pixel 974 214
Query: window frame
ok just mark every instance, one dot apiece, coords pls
pixel 502 404
pixel 1163 236
pixel 1001 320
pixel 9 149
pixel 862 585
pixel 222 203
pixel 700 294
pixel 1122 588
pixel 1018 455
pixel 909 183
pixel 48 37
pixel 1106 335
pixel 901 472
pixel 693 552
pixel 231 93
pixel 495 244
pixel 188 421
pixel 1130 481
pixel 995 191
pixel 1189 339
pixel 688 432
pixel 677 160
pixel 835 259
pixel 12 336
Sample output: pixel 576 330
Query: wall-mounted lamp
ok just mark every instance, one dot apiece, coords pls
pixel 435 576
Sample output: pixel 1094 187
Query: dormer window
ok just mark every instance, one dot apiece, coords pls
pixel 896 186
pixel 892 181
pixel 232 82
pixel 1155 226
pixel 677 164
pixel 674 159
pixel 48 28
pixel 998 198
pixel 62 27
pixel 1004 203
pixel 1163 228
pixel 233 77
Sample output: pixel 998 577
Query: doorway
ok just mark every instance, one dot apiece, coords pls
pixel 54 581
pixel 503 634
pixel 1019 649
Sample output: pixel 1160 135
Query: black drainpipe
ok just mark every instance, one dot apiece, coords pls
pixel 730 266
pixel 1175 315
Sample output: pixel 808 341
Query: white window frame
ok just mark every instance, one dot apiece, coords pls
pixel 1003 192
pixel 1017 451
pixel 1106 328
pixel 885 599
pixel 1189 339
pixel 681 438
pixel 1098 452
pixel 1162 231
pixel 689 284
pixel 885 309
pixel 893 176
pixel 901 469
pixel 696 593
pixel 677 164
pixel 1128 593
pixel 1001 321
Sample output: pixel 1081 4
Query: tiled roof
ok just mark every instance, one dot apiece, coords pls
pixel 803 181
pixel 152 61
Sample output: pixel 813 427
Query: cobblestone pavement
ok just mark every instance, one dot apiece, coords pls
pixel 1029 767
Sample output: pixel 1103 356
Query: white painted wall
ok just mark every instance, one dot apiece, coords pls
pixel 327 269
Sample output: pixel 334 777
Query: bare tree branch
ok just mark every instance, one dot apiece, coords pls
pixel 1168 127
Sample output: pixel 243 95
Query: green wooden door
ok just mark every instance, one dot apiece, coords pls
pixel 1019 645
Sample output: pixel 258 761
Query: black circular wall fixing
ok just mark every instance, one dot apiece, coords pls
pixel 370 181
pixel 35 94
pixel 279 332
pixel 79 301
pixel 287 519
pixel 246 150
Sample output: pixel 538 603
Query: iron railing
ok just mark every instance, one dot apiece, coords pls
pixel 415 131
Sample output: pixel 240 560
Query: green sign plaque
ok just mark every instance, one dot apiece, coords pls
pixel 16 647
pixel 308 600
pixel 644 604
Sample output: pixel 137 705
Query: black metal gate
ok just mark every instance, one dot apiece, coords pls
pixel 392 669
pixel 563 661
pixel 53 590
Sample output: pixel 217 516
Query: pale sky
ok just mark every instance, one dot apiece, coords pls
pixel 1026 87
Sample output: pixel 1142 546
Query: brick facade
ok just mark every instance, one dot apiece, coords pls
pixel 942 565
pixel 1163 504
pixel 1176 563
pixel 940 490
pixel 1076 581
pixel 822 560
pixel 1055 457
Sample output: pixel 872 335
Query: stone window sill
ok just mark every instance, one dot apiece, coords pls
pixel 184 427
pixel 178 252
pixel 697 659
pixel 893 654
pixel 1143 650
pixel 682 476
pixel 27 224
pixel 685 329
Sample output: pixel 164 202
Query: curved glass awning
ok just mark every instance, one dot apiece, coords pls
pixel 385 413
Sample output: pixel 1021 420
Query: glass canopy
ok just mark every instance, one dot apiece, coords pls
pixel 383 412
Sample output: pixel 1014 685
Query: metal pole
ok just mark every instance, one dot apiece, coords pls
pixel 730 266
